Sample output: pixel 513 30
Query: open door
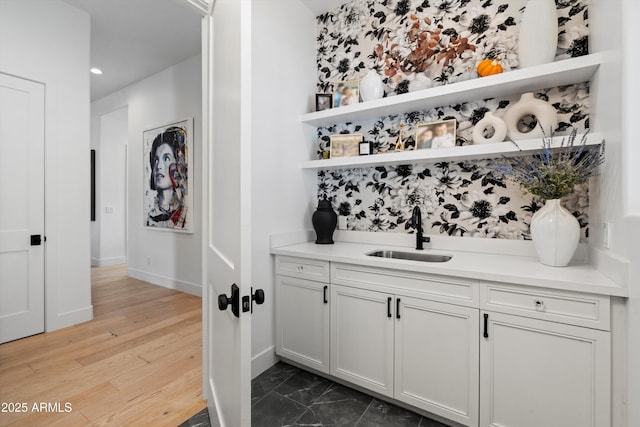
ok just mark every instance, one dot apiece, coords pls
pixel 227 295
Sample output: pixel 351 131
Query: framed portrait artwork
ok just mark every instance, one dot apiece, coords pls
pixel 345 145
pixel 346 93
pixel 324 101
pixel 436 134
pixel 168 181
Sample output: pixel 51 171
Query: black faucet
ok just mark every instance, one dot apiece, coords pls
pixel 416 223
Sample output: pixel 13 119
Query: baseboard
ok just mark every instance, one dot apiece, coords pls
pixel 166 282
pixel 263 361
pixel 70 318
pixel 104 262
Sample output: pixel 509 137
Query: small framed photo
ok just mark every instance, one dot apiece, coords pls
pixel 346 93
pixel 365 148
pixel 345 145
pixel 436 134
pixel 324 101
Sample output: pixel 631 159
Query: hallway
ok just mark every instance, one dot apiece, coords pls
pixel 138 362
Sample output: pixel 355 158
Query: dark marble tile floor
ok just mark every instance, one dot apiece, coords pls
pixel 287 396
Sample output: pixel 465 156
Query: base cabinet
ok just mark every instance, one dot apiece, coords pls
pixel 539 373
pixel 420 352
pixel 302 321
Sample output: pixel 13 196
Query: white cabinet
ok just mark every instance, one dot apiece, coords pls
pixel 417 351
pixel 544 357
pixel 362 338
pixel 539 373
pixel 302 312
pixel 436 358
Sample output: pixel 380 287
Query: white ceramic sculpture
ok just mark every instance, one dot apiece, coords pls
pixel 371 86
pixel 555 234
pixel 545 114
pixel 538 38
pixel 487 122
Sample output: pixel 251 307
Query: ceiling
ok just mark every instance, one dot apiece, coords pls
pixel 133 39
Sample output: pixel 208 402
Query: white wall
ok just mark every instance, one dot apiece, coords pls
pixel 48 41
pixel 111 182
pixel 282 193
pixel 162 257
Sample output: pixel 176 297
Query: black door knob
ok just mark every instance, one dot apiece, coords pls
pixel 234 300
pixel 258 296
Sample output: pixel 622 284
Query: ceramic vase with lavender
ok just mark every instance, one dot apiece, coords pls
pixel 555 234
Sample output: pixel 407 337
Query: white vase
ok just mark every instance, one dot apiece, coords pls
pixel 555 234
pixel 371 86
pixel 489 121
pixel 528 105
pixel 538 38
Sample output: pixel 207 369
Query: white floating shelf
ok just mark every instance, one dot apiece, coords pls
pixel 559 73
pixel 467 152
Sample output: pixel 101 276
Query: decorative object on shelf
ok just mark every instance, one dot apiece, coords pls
pixel 346 93
pixel 399 144
pixel 538 39
pixel 371 86
pixel 324 101
pixel 324 221
pixel 552 175
pixel 167 157
pixel 365 148
pixel 530 118
pixel 326 154
pixel 420 82
pixel 345 145
pixel 493 126
pixel 440 134
pixel 489 67
pixel 342 222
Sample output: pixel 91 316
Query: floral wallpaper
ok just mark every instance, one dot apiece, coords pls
pixel 442 40
pixel 456 199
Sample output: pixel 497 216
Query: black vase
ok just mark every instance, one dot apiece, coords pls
pixel 324 221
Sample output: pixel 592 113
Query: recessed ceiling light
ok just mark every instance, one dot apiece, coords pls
pixel 97 71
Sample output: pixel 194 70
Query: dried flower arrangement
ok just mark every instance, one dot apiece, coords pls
pixel 554 173
pixel 422 46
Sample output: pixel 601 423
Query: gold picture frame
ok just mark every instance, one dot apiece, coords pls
pixel 441 134
pixel 345 145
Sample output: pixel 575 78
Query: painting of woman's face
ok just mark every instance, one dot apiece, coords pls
pixel 164 163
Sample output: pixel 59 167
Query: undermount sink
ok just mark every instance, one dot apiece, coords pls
pixel 412 256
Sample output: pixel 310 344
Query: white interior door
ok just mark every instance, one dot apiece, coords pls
pixel 227 340
pixel 21 208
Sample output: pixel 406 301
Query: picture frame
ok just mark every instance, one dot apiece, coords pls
pixel 324 101
pixel 440 134
pixel 345 145
pixel 168 176
pixel 346 93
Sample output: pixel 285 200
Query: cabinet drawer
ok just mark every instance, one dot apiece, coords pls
pixel 574 308
pixel 303 268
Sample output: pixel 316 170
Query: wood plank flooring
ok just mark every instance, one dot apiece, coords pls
pixel 138 363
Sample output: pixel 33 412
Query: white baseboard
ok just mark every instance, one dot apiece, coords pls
pixel 70 318
pixel 167 282
pixel 103 262
pixel 263 361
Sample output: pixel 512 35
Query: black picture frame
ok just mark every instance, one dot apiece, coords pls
pixel 324 101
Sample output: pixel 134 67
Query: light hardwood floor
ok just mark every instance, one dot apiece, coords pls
pixel 138 363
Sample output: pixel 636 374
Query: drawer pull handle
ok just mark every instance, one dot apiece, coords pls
pixel 389 307
pixel 539 304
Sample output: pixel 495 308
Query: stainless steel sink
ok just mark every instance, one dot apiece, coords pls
pixel 412 256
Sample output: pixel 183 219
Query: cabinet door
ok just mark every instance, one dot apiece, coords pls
pixel 302 322
pixel 537 373
pixel 362 338
pixel 436 358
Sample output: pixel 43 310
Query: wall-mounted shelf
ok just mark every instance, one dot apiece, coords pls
pixel 559 73
pixel 456 154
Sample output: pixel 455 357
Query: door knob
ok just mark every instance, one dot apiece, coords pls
pixel 257 296
pixel 234 300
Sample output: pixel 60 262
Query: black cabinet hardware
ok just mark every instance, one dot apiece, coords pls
pixel 324 294
pixel 389 307
pixel 36 240
pixel 486 325
pixel 397 308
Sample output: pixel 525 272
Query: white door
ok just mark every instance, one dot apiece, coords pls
pixel 227 216
pixel 362 337
pixel 436 358
pixel 21 208
pixel 536 373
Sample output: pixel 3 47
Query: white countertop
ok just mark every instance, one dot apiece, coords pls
pixel 489 267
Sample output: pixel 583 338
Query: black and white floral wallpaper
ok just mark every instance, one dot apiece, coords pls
pixel 405 40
